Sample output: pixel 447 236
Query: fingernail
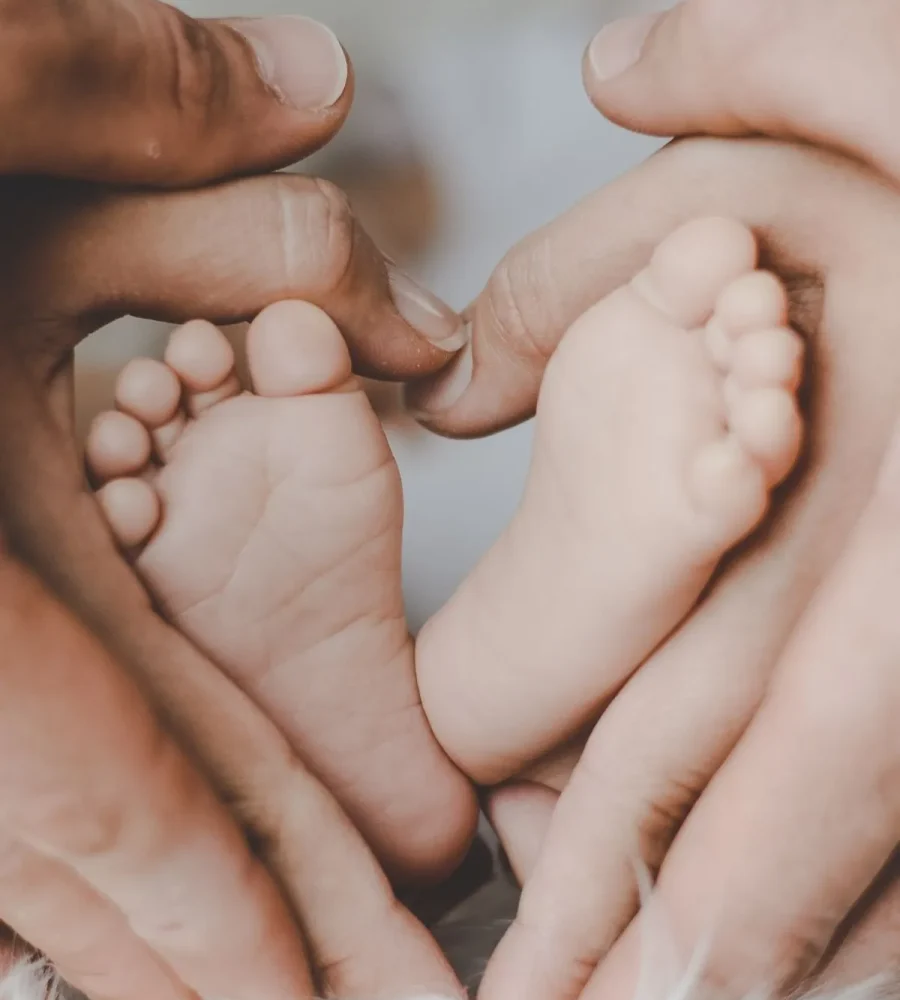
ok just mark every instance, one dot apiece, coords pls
pixel 619 46
pixel 447 388
pixel 437 322
pixel 299 59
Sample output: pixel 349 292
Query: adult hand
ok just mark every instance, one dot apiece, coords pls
pixel 804 813
pixel 118 859
pixel 74 253
pixel 142 94
pixel 822 71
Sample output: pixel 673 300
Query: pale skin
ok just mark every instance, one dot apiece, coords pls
pixel 729 69
pixel 267 525
pixel 678 388
pixel 674 724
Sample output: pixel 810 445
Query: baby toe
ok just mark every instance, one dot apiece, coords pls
pixel 132 510
pixel 201 356
pixel 690 269
pixel 768 425
pixel 149 391
pixel 117 445
pixel 294 349
pixel 772 357
pixel 753 301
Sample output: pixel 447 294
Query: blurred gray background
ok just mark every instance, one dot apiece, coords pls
pixel 470 129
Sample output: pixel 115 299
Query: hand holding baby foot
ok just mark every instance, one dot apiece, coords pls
pixel 753 874
pixel 824 72
pixel 119 859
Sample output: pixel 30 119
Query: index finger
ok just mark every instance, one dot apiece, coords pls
pixel 222 253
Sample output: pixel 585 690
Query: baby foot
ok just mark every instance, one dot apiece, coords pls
pixel 267 527
pixel 666 417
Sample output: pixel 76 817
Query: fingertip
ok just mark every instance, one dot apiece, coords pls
pixel 434 398
pixel 618 47
pixel 650 73
pixel 298 59
pixel 520 814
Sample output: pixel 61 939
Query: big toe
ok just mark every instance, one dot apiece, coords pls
pixel 691 268
pixel 295 349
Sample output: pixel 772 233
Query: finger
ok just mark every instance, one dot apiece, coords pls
pixel 141 93
pixel 865 952
pixel 361 940
pixel 675 723
pixel 93 947
pixel 180 256
pixel 814 779
pixel 520 814
pixel 88 778
pixel 819 70
pixel 556 274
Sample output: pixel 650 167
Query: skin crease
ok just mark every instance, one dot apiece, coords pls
pixel 173 102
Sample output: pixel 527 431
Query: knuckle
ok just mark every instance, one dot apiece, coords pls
pixel 647 797
pixel 317 234
pixel 76 824
pixel 266 807
pixel 661 817
pixel 517 296
pixel 729 37
pixel 197 71
pixel 779 957
pixel 26 55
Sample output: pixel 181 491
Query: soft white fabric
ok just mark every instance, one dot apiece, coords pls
pixel 30 981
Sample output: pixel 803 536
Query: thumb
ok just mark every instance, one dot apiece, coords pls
pixel 140 93
pixel 823 71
